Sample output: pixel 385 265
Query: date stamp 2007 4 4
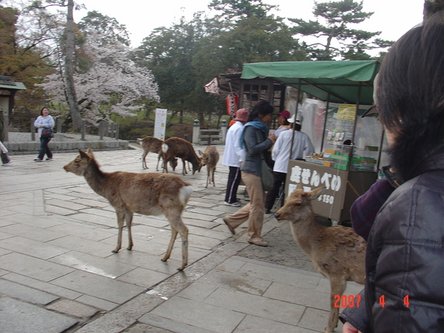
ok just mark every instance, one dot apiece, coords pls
pixel 354 301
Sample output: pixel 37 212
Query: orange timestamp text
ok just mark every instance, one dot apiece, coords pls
pixel 354 301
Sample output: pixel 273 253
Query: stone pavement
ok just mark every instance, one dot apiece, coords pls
pixel 57 272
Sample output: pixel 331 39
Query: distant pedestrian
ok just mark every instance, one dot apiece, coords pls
pixel 3 150
pixel 232 156
pixel 45 124
pixel 4 155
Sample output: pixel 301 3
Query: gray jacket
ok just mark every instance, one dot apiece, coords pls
pixel 255 145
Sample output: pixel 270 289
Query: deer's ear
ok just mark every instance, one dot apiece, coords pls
pixel 90 152
pixel 316 192
pixel 83 154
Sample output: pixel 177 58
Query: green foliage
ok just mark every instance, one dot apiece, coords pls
pixel 334 39
pixel 131 128
pixel 240 9
pixel 168 53
pixel 24 63
pixel 186 55
pixel 106 26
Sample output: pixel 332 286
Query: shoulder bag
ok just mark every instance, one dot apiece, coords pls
pixel 46 133
pixel 266 172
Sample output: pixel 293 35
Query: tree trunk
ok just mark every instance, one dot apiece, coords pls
pixel 69 68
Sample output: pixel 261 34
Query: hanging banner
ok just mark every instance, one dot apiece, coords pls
pixel 160 124
pixel 232 101
pixel 212 87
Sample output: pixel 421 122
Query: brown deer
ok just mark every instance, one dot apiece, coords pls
pixel 153 145
pixel 143 193
pixel 210 157
pixel 336 252
pixel 181 148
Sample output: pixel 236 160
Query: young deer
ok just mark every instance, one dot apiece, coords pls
pixel 210 157
pixel 336 252
pixel 153 145
pixel 178 147
pixel 143 193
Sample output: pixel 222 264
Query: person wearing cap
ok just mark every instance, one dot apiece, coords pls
pixel 302 146
pixel 283 122
pixel 232 155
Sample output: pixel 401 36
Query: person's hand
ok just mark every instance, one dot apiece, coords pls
pixel 349 328
pixel 272 137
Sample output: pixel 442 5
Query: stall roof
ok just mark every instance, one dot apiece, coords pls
pixel 338 81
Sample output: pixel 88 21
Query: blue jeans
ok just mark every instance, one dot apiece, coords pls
pixel 44 149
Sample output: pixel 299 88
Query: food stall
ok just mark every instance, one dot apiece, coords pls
pixel 348 146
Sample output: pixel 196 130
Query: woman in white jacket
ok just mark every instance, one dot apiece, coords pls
pixel 232 157
pixel 44 123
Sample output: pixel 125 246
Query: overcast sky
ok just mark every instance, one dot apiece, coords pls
pixel 391 17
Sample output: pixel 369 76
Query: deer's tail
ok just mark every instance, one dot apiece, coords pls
pixel 164 148
pixel 185 194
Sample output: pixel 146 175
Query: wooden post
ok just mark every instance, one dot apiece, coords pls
pixel 83 129
pixel 32 130
pixel 58 126
pixel 223 131
pixel 196 131
pixel 102 128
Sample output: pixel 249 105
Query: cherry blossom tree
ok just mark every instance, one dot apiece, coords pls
pixel 110 82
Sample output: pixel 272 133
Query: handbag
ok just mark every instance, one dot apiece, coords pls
pixel 266 176
pixel 46 133
pixel 266 172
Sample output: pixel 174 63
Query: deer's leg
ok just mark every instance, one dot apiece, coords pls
pixel 158 160
pixel 129 222
pixel 183 231
pixel 170 245
pixel 144 166
pixel 337 287
pixel 212 176
pixel 165 164
pixel 120 223
pixel 177 226
pixel 184 169
pixel 208 176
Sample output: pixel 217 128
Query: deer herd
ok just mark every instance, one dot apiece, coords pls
pixel 336 252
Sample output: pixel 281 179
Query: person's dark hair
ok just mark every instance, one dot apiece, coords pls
pixel 285 122
pixel 261 108
pixel 410 95
pixel 41 110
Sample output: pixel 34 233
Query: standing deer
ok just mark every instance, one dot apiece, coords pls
pixel 153 145
pixel 178 147
pixel 210 157
pixel 143 193
pixel 336 252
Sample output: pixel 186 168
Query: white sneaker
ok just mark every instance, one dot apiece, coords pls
pixel 234 204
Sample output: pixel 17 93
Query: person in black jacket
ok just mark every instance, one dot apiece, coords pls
pixel 405 251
